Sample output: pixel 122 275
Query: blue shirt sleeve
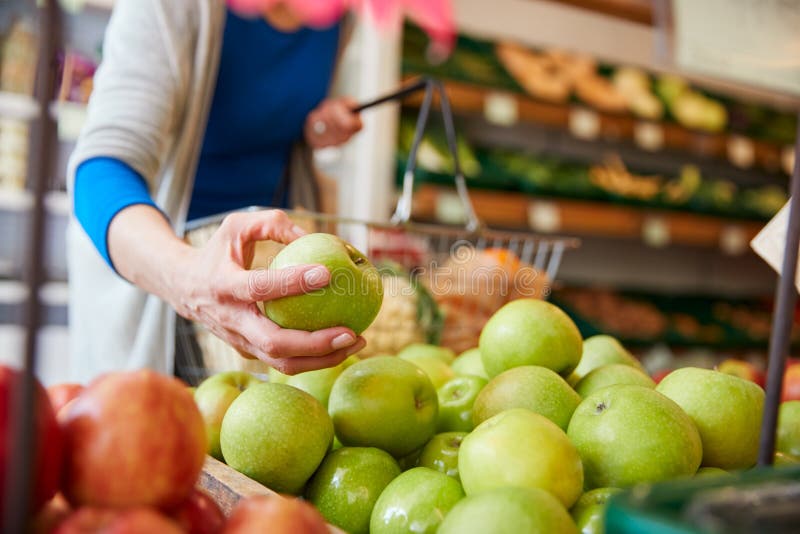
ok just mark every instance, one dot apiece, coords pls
pixel 104 187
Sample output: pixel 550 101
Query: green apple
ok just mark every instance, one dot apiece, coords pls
pixel 352 298
pixel 530 332
pixel 469 363
pixel 508 510
pixel 416 501
pixel 384 402
pixel 629 434
pixel 520 448
pixel 276 377
pixel 424 349
pixel 213 397
pixel 589 512
pixel 726 409
pixel 441 453
pixel 456 398
pixel 602 350
pixel 433 366
pixel 410 460
pixel 712 472
pixel 348 483
pixel 531 387
pixel 276 435
pixel 611 375
pixel 788 436
pixel 319 383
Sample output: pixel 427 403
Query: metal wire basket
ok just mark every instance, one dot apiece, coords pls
pixel 441 283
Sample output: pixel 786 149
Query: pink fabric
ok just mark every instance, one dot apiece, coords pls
pixel 434 16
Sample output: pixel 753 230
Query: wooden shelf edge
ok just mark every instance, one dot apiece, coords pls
pixel 227 487
pixel 471 98
pixel 593 218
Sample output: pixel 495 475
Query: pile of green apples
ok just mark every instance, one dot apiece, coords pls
pixel 532 431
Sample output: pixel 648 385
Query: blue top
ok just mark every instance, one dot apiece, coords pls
pixel 268 82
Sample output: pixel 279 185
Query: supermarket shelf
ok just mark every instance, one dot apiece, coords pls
pixel 100 4
pixel 506 108
pixel 17 106
pixel 640 11
pixel 15 200
pixel 657 228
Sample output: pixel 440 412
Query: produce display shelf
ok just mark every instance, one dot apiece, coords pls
pixel 644 319
pixel 473 98
pixel 17 106
pixel 517 210
pixel 227 487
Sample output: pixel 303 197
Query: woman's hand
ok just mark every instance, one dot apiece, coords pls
pixel 211 285
pixel 332 123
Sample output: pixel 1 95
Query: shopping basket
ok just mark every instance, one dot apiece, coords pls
pixel 441 283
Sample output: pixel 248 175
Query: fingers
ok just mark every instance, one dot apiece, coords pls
pixel 269 284
pixel 247 227
pixel 332 123
pixel 269 340
pixel 293 366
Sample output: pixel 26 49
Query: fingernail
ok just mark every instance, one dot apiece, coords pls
pixel 316 277
pixel 341 341
pixel 296 230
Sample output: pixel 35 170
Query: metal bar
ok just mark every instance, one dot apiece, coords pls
pixel 782 319
pixel 23 447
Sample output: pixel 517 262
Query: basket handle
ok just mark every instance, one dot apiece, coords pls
pixel 402 213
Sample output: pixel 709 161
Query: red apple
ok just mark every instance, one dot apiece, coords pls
pixel 48 458
pixel 791 383
pixel 276 515
pixel 61 394
pixel 133 439
pixel 658 376
pixel 140 520
pixel 742 369
pixel 50 516
pixel 199 514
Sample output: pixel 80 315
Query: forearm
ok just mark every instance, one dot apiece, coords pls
pixel 145 250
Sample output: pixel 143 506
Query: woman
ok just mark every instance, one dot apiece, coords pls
pixel 197 111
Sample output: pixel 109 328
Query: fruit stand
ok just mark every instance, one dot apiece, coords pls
pixel 484 402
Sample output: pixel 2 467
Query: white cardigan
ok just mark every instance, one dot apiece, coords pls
pixel 149 109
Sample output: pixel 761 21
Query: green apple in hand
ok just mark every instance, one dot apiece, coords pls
pixel 726 409
pixel 348 483
pixel 589 512
pixel 416 350
pixel 276 435
pixel 535 388
pixel 788 437
pixel 530 332
pixel 437 370
pixel 456 399
pixel 319 383
pixel 213 397
pixel 384 402
pixel 352 298
pixel 416 501
pixel 520 448
pixel 610 375
pixel 508 510
pixel 602 350
pixel 630 434
pixel 441 453
pixel 469 363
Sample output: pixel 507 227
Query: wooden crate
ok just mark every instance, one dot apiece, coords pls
pixel 227 487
